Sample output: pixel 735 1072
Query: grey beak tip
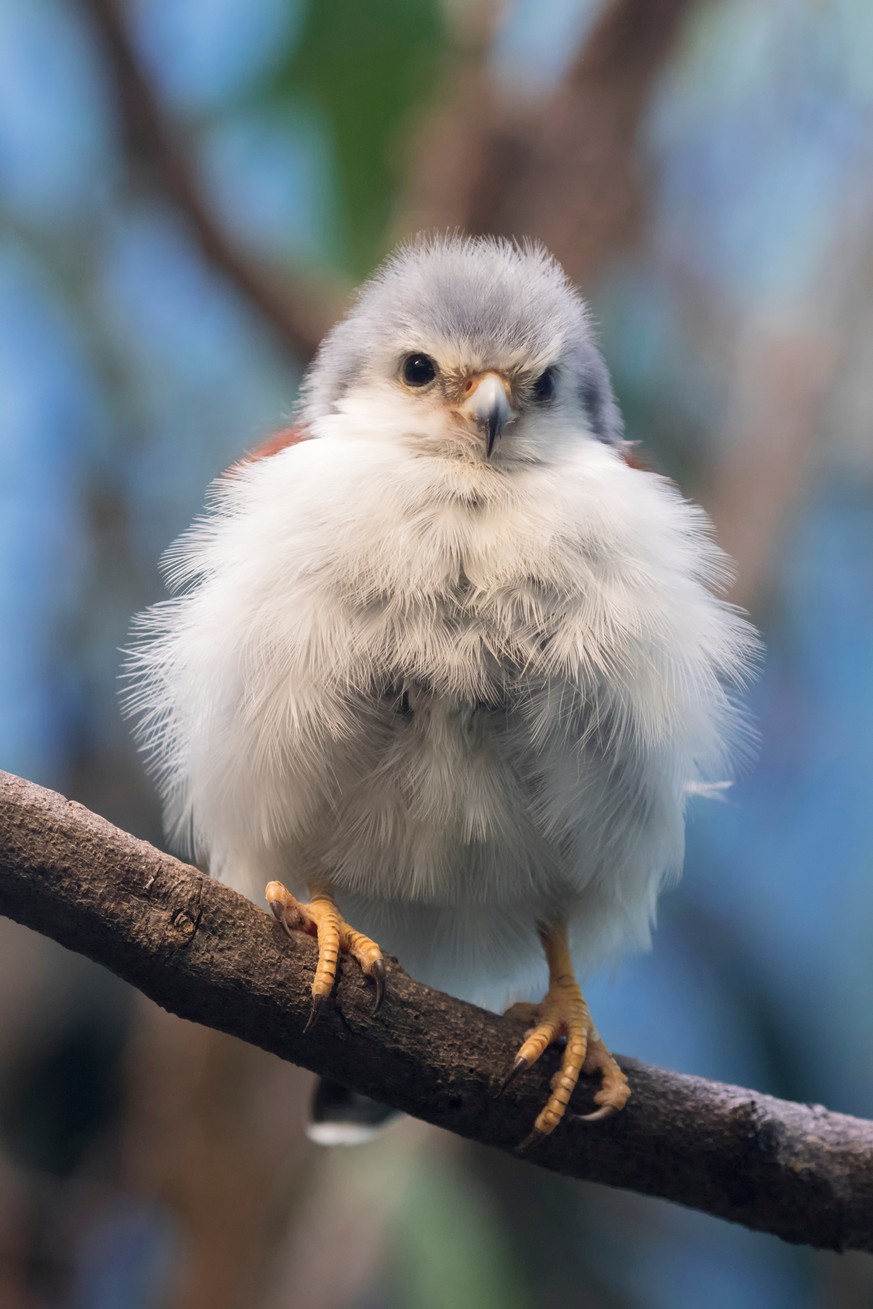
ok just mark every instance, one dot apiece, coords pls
pixel 488 405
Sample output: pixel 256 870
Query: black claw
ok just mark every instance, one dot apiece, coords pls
pixel 520 1064
pixel 377 972
pixel 534 1139
pixel 318 1003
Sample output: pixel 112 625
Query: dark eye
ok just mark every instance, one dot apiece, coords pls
pixel 544 386
pixel 418 370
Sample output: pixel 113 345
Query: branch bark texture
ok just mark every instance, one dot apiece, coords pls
pixel 205 953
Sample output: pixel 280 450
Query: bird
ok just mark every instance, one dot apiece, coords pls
pixel 443 663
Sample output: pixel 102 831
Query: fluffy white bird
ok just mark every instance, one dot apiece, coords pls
pixel 442 660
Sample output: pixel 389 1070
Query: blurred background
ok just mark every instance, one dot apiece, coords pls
pixel 188 189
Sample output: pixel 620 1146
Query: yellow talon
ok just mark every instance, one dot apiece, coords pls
pixel 321 918
pixel 564 1012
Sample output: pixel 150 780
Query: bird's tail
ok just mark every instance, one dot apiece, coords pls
pixel 338 1116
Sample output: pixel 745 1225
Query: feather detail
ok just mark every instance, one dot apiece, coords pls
pixel 470 693
pixel 275 444
pixel 633 455
pixel 565 673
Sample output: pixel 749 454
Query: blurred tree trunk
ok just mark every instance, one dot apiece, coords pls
pixel 566 172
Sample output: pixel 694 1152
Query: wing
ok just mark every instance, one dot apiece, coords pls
pixel 634 457
pixel 281 440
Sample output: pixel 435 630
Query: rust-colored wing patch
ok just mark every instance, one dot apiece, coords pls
pixel 281 440
pixel 630 451
pixel 633 456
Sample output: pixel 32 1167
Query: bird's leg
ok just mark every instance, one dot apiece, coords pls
pixel 321 918
pixel 564 1013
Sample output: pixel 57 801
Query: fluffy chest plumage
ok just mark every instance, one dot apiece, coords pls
pixel 456 582
pixel 441 682
pixel 454 631
pixel 446 688
pixel 470 647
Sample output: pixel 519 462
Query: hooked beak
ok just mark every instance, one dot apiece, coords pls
pixel 487 403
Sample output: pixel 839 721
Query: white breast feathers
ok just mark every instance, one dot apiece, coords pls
pixel 443 682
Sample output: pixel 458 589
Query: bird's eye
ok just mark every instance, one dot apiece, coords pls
pixel 544 386
pixel 418 370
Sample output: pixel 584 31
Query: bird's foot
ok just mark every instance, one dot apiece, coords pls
pixel 320 917
pixel 564 1014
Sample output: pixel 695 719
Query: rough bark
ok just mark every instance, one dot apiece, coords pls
pixel 207 954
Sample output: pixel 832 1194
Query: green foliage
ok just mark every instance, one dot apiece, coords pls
pixel 365 69
pixel 451 1248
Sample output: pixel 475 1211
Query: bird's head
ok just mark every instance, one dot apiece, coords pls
pixel 474 346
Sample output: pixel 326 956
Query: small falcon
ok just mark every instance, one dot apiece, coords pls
pixel 443 667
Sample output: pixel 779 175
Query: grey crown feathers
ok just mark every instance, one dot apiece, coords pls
pixel 499 299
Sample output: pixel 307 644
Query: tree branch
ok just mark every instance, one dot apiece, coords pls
pixel 299 312
pixel 207 954
pixel 566 172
